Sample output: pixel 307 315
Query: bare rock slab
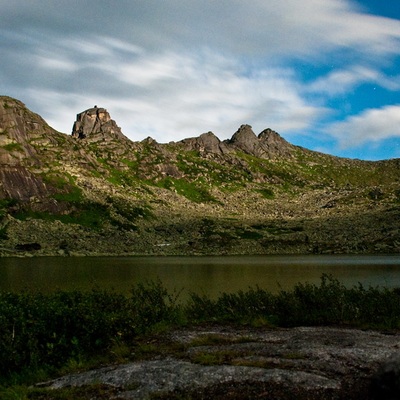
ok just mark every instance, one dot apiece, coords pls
pixel 303 362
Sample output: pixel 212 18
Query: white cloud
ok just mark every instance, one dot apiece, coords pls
pixel 255 27
pixel 371 125
pixel 56 62
pixel 344 80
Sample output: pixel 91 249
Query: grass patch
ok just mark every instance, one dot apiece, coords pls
pixel 67 191
pixel 216 340
pixel 74 195
pixel 88 214
pixel 193 192
pixel 248 234
pixel 267 193
pixel 214 358
pixel 13 147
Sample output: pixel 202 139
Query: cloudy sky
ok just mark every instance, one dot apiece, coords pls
pixel 325 74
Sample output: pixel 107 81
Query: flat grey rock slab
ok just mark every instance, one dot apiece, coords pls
pixel 310 359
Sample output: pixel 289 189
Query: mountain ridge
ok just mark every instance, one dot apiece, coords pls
pixel 102 193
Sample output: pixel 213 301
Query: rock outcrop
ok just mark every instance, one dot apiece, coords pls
pixel 314 363
pixel 268 144
pixel 207 143
pixel 95 124
pixel 273 145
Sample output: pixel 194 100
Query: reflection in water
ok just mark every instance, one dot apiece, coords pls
pixel 208 275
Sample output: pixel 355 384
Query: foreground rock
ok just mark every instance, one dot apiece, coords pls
pixel 225 363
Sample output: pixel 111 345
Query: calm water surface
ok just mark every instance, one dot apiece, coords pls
pixel 209 275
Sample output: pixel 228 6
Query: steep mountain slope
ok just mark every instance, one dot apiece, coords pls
pixel 97 192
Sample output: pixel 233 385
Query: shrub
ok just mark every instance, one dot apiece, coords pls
pixel 152 305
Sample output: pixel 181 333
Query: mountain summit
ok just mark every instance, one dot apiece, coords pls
pixel 268 144
pixel 95 124
pixel 97 192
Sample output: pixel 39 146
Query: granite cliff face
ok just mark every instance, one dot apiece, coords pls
pixel 25 141
pixel 20 129
pixel 98 192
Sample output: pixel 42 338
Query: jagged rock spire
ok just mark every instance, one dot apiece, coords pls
pixel 268 144
pixel 95 124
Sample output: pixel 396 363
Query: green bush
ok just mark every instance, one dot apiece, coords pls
pixel 40 330
pixel 152 305
pixel 306 304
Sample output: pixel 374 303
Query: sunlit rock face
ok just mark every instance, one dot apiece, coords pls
pixel 95 124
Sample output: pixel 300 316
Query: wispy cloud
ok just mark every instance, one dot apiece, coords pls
pixel 343 80
pixel 371 125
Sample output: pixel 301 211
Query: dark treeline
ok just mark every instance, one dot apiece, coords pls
pixel 47 332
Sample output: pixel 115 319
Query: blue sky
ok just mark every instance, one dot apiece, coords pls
pixel 324 74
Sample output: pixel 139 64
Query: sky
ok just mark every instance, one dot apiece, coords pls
pixel 325 74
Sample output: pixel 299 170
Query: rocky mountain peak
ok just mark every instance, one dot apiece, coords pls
pixel 268 144
pixel 206 143
pixel 95 124
pixel 244 135
pixel 244 139
pixel 274 144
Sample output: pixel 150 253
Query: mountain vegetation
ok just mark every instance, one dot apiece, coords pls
pixel 96 192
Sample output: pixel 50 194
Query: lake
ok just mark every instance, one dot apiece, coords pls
pixel 209 275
